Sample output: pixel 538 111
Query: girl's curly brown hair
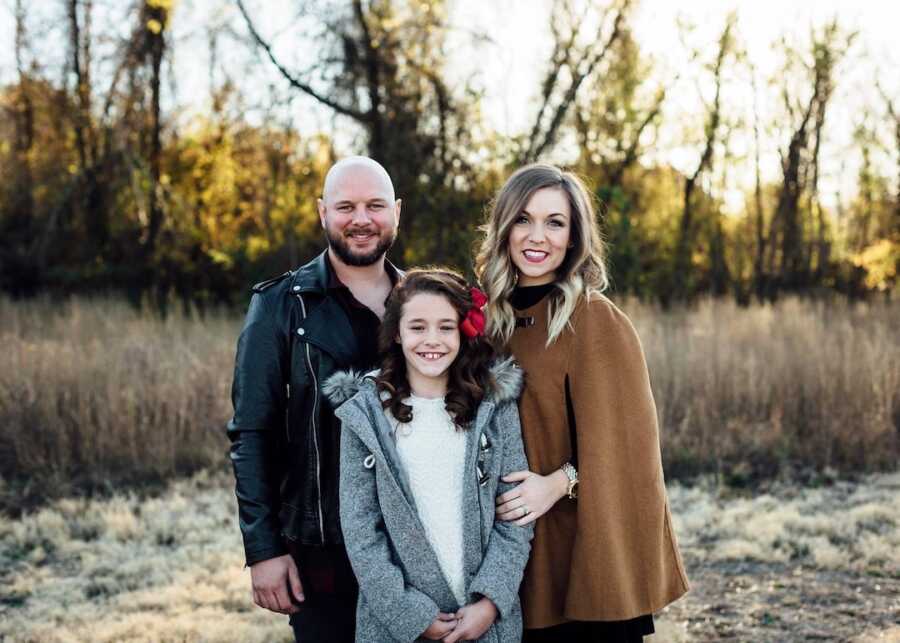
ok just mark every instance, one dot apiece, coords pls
pixel 468 376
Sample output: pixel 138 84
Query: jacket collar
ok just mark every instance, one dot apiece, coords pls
pixel 311 277
pixel 326 325
pixel 314 276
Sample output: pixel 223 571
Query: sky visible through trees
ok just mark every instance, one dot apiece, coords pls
pixel 192 135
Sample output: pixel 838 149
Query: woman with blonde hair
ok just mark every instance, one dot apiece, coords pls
pixel 604 555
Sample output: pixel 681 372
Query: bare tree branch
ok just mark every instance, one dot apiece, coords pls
pixel 579 70
pixel 894 113
pixel 686 226
pixel 293 80
pixel 561 57
pixel 631 152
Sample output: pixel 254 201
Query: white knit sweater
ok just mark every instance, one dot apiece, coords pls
pixel 433 451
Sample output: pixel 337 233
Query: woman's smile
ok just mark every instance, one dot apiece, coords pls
pixel 535 256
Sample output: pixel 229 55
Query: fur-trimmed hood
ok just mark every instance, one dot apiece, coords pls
pixel 507 380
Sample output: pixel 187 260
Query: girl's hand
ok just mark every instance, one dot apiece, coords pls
pixel 532 498
pixel 440 627
pixel 473 621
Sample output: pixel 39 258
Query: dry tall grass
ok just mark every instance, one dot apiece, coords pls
pixel 747 392
pixel 94 393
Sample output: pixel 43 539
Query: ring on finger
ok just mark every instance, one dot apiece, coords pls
pixel 525 510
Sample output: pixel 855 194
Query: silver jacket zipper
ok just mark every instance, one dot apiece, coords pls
pixel 314 429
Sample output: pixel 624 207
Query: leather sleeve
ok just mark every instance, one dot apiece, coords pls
pixel 258 396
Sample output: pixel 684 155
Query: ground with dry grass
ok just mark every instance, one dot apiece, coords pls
pixel 168 568
pixel 95 396
pixel 784 564
pixel 790 563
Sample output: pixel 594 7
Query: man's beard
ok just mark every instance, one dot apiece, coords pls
pixel 341 248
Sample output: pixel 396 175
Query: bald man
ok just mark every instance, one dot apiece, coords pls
pixel 300 328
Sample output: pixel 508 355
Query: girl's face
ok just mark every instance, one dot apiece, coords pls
pixel 429 337
pixel 539 237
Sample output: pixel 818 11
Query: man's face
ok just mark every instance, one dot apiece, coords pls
pixel 359 215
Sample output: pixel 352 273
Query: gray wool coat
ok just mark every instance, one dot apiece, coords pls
pixel 402 587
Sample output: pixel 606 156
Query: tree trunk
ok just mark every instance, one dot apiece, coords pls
pixel 156 49
pixel 24 126
pixel 681 273
pixel 759 218
pixel 788 211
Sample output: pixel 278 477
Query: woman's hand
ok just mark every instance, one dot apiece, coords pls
pixel 473 621
pixel 532 498
pixel 440 627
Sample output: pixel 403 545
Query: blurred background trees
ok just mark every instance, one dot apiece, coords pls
pixel 114 181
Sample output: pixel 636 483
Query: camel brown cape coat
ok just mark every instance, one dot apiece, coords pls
pixel 611 554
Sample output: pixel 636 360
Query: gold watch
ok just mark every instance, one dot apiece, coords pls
pixel 572 474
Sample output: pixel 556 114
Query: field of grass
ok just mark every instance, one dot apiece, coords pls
pixel 775 421
pixel 95 395
pixel 751 393
pixel 790 564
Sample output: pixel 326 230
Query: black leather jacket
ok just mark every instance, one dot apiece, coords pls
pixel 284 436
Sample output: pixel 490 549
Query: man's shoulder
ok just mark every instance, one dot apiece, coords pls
pixel 265 285
pixel 311 276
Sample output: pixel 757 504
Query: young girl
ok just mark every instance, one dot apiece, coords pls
pixel 424 442
pixel 604 555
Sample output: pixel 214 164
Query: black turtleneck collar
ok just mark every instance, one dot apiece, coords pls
pixel 527 296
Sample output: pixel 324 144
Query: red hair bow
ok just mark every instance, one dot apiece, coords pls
pixel 473 325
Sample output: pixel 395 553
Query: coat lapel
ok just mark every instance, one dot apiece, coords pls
pixel 328 328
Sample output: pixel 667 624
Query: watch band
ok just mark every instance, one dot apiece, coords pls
pixel 572 474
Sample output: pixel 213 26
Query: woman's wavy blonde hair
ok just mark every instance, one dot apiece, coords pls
pixel 582 272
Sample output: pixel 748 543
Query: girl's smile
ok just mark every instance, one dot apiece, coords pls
pixel 431 356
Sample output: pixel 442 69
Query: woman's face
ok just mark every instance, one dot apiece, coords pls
pixel 429 337
pixel 539 237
